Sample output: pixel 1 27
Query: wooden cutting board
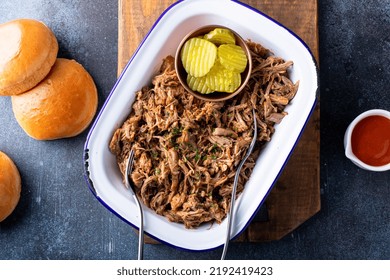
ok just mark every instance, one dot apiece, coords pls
pixel 296 196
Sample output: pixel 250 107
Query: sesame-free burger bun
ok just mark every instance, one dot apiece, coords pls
pixel 10 186
pixel 61 106
pixel 28 49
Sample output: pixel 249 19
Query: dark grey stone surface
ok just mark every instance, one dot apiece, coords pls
pixel 59 218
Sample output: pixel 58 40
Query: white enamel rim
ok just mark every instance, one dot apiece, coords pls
pixel 347 140
pixel 101 172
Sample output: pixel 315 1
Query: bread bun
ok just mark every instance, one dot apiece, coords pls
pixel 28 49
pixel 61 106
pixel 10 186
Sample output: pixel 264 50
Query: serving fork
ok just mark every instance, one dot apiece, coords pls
pixel 130 186
pixel 230 217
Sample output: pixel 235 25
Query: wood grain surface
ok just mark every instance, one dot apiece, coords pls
pixel 296 195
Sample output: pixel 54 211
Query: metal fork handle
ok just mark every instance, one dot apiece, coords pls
pixel 230 217
pixel 129 169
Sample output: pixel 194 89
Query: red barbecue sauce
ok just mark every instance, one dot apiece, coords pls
pixel 371 140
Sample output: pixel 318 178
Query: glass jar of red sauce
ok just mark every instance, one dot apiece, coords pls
pixel 367 140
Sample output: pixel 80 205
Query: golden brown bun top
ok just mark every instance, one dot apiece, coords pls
pixel 61 106
pixel 28 49
pixel 10 186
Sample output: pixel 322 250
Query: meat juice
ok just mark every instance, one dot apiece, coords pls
pixel 371 140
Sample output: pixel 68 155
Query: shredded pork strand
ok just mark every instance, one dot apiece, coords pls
pixel 187 150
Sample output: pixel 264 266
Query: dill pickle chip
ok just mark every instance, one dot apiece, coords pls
pixel 222 79
pixel 220 36
pixel 198 56
pixel 198 84
pixel 232 57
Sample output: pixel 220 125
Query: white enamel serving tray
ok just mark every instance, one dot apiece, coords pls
pixel 101 171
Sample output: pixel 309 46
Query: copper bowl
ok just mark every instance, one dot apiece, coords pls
pixel 214 96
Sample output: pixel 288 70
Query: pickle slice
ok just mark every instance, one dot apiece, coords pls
pixel 198 56
pixel 198 84
pixel 232 57
pixel 223 80
pixel 220 36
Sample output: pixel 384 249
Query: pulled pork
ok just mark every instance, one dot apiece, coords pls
pixel 187 150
